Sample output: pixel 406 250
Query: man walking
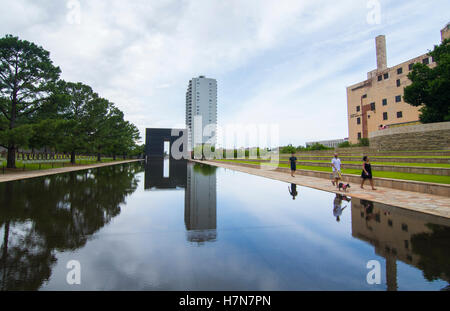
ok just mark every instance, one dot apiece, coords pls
pixel 336 165
pixel 293 160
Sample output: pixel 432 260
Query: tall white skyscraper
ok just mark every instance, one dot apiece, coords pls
pixel 201 111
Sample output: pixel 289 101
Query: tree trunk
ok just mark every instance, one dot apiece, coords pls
pixel 114 157
pixel 5 253
pixel 72 157
pixel 99 157
pixel 11 161
pixel 5 241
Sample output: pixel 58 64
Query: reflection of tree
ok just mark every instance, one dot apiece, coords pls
pixel 205 170
pixel 434 252
pixel 58 212
pixel 27 262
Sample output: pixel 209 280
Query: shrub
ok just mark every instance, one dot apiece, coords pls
pixel 345 144
pixel 317 146
pixel 363 142
pixel 288 149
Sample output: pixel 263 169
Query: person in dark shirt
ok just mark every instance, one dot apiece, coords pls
pixel 366 173
pixel 293 160
pixel 293 191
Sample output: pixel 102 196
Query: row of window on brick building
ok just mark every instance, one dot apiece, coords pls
pixel 385 117
pixel 398 99
pixel 425 61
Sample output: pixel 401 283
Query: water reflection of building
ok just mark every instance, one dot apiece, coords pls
pixel 165 174
pixel 399 234
pixel 199 182
pixel 200 203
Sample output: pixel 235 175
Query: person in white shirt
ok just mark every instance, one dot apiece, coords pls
pixel 336 166
pixel 337 206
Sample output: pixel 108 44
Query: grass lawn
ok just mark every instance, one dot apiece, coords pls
pixel 439 165
pixel 392 175
pixel 349 150
pixel 371 156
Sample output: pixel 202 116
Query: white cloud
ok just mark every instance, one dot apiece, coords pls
pixel 285 61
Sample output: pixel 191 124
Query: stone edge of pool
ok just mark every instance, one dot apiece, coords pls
pixel 61 170
pixel 420 202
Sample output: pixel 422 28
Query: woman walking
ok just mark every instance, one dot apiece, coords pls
pixel 293 160
pixel 367 173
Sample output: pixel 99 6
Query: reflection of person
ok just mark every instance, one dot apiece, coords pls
pixel 293 191
pixel 293 160
pixel 337 206
pixel 366 173
pixel 336 165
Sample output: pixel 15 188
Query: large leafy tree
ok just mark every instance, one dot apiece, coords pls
pixel 430 88
pixel 49 123
pixel 121 135
pixel 130 140
pixel 27 80
pixel 97 126
pixel 137 150
pixel 76 105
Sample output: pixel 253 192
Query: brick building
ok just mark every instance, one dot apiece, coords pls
pixel 378 101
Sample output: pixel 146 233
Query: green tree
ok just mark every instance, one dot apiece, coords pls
pixel 317 146
pixel 430 88
pixel 27 79
pixel 97 125
pixel 288 149
pixel 121 135
pixel 49 123
pixel 137 150
pixel 76 104
pixel 48 133
pixel 345 144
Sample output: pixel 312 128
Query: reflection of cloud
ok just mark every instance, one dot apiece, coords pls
pixel 163 266
pixel 267 242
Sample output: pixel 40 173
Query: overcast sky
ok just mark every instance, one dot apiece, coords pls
pixel 286 62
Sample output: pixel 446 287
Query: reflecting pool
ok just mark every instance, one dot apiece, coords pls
pixel 173 225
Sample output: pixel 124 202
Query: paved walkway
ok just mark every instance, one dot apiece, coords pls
pixel 420 202
pixel 53 171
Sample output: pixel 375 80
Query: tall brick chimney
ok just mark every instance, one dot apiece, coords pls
pixel 380 42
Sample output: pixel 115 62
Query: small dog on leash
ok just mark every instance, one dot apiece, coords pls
pixel 344 186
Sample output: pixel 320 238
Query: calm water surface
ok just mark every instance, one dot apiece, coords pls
pixel 171 225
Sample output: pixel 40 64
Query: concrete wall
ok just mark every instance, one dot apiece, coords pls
pixel 155 138
pixel 434 136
